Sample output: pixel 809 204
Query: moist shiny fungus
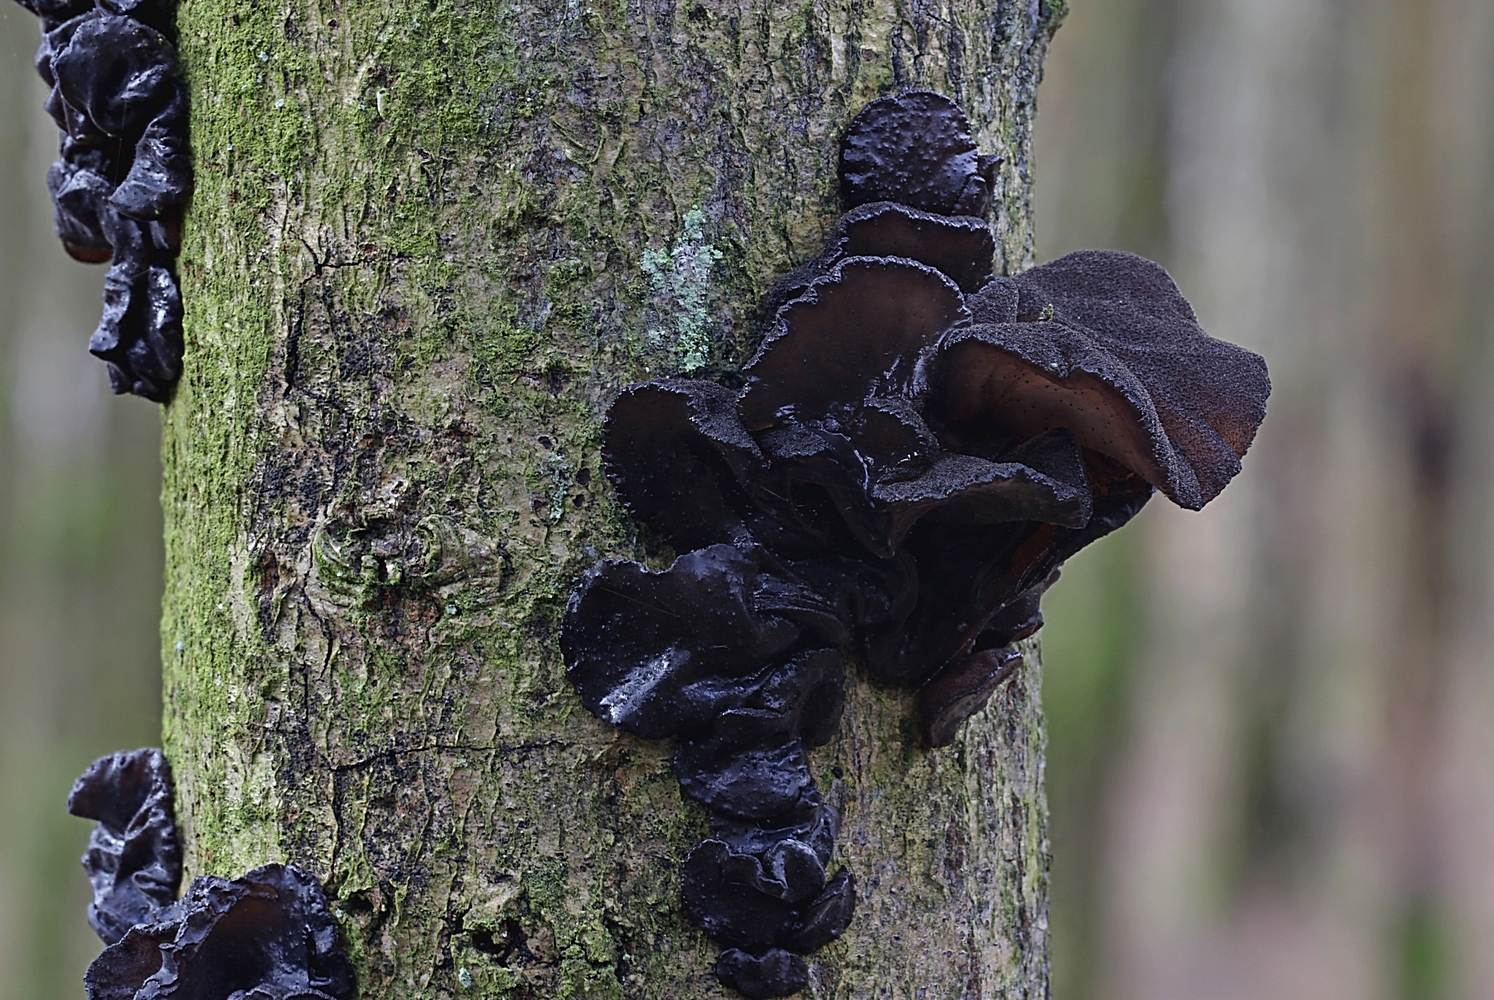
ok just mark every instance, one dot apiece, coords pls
pixel 916 149
pixel 662 653
pixel 918 447
pixel 749 901
pixel 826 917
pixel 160 178
pixel 115 71
pixel 139 335
pixel 123 177
pixel 752 763
pixel 958 693
pixel 679 458
pixel 705 651
pixel 774 973
pixel 133 862
pixel 80 203
pixel 767 909
pixel 266 936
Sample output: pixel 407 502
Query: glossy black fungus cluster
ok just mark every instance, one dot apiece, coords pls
pixel 133 862
pixel 124 175
pixel 267 936
pixel 918 446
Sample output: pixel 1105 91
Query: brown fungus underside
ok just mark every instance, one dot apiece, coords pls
pixel 918 447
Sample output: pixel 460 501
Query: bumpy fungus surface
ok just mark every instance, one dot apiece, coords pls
pixel 916 149
pixel 133 861
pixel 123 177
pixel 266 936
pixel 918 447
pixel 1104 344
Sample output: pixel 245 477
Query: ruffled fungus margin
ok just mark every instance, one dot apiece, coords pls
pixel 123 176
pixel 918 447
pixel 268 935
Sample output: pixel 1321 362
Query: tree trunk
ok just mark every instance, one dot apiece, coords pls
pixel 415 275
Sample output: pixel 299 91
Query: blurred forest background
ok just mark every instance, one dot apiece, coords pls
pixel 1272 723
pixel 80 554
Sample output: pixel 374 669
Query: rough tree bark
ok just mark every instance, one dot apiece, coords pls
pixel 428 242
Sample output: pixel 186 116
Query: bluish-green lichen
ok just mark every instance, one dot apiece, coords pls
pixel 681 283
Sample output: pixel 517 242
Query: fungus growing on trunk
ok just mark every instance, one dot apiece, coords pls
pixel 916 149
pixel 661 654
pixel 836 393
pixel 123 179
pixel 917 449
pixel 959 247
pixel 266 936
pixel 679 458
pixel 133 862
pixel 1106 346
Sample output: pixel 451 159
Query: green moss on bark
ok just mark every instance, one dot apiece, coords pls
pixel 415 271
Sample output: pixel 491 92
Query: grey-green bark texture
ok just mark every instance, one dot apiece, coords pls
pixel 429 241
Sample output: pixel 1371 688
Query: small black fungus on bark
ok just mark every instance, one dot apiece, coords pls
pixel 133 861
pixel 916 149
pixel 266 936
pixel 124 175
pixel 774 973
pixel 961 691
pixel 665 654
pixel 917 448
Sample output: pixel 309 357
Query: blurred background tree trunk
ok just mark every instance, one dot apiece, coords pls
pixel 1273 724
pixel 414 274
pixel 80 553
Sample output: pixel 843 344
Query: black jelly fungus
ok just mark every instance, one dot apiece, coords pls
pixel 774 973
pixel 133 862
pixel 1105 345
pixel 962 690
pixel 918 446
pixel 123 177
pixel 269 934
pixel 916 149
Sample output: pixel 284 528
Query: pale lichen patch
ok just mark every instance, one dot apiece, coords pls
pixel 680 280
